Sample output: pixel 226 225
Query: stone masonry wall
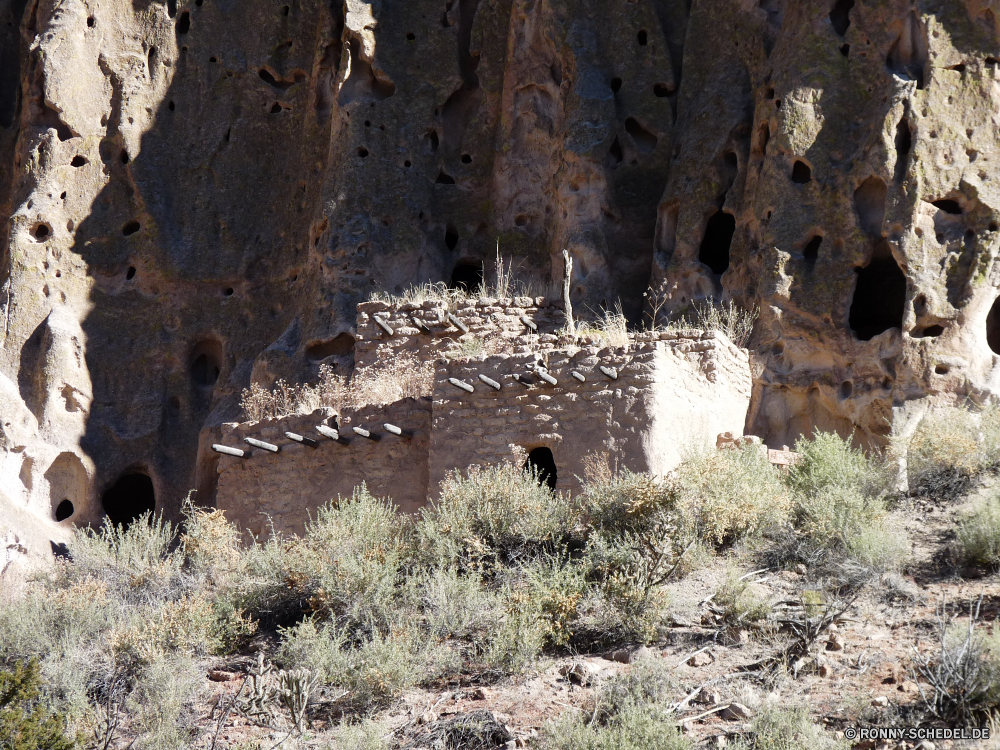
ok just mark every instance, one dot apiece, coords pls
pixel 290 485
pixel 484 317
pixel 675 392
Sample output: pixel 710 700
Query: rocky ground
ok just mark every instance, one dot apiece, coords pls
pixel 857 672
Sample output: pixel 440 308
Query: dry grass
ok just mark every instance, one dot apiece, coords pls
pixel 506 283
pixel 392 378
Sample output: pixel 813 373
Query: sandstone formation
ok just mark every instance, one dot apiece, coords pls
pixel 201 191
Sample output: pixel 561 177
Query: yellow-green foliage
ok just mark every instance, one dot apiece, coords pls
pixel 730 494
pixel 979 533
pixel 950 447
pixel 840 499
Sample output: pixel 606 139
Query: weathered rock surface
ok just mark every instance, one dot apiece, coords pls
pixel 201 191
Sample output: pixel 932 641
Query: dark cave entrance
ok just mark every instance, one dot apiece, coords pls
pixel 206 363
pixel 993 327
pixel 714 251
pixel 542 466
pixel 468 276
pixel 129 497
pixel 64 510
pixel 879 297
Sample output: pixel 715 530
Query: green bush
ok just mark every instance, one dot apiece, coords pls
pixel 950 448
pixel 631 714
pixel 492 517
pixel 840 507
pixel 739 603
pixel 25 724
pixel 729 495
pixel 978 534
pixel 777 728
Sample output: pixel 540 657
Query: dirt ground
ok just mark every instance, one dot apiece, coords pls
pixel 858 671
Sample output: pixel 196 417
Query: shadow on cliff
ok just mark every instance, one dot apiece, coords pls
pixel 197 245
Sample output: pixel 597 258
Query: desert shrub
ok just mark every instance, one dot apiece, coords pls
pixel 776 728
pixel 347 567
pixel 366 735
pixel 739 603
pixel 369 670
pixel 25 723
pixel 729 495
pixel 841 499
pixel 978 534
pixel 491 516
pixel 632 713
pixel 138 563
pixel 950 448
pixel 963 671
pixel 735 322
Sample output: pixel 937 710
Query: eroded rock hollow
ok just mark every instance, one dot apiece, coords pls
pixel 199 193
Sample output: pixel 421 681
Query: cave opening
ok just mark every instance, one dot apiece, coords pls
pixel 993 327
pixel 206 363
pixel 468 276
pixel 64 510
pixel 719 232
pixel 542 466
pixel 128 498
pixel 340 345
pixel 879 296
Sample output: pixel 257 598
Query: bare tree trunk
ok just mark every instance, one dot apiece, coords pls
pixel 567 305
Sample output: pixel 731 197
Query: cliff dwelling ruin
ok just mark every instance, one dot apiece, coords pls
pixel 200 195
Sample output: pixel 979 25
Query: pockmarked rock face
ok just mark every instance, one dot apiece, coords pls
pixel 200 192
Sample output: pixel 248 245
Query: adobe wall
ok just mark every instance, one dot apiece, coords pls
pixel 289 485
pixel 675 392
pixel 483 317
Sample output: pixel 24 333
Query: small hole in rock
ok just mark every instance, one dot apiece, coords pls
pixel 407 164
pixel 769 94
pixel 616 84
pixel 879 296
pixel 444 178
pixel 131 228
pixel 643 37
pixel 362 152
pixel 521 220
pixel 846 389
pixel 994 226
pixel 285 10
pixel 466 159
pixel 42 231
pixel 845 50
pixel 840 16
pixel 929 332
pixel 661 90
pixel 91 22
pixel 339 346
pixel 451 237
pixel 811 250
pixel 714 251
pixel 948 206
pixel 275 108
pixel 229 291
pixel 124 157
pixel 130 273
pixel 941 369
pixel 184 23
pixel 213 59
pixel 801 173
pixel 171 106
pixel 62 195
pixel 64 510
pixel 410 36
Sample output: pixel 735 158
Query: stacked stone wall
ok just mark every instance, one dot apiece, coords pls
pixel 436 334
pixel 285 488
pixel 671 393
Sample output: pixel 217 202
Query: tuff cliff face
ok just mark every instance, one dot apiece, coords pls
pixel 200 191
